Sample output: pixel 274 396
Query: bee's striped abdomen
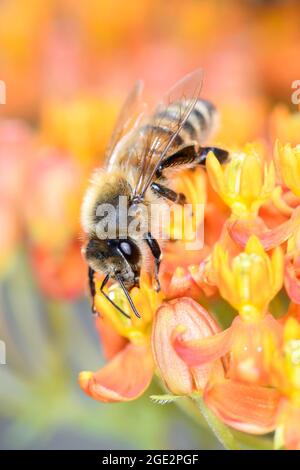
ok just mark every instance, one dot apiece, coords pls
pixel 199 125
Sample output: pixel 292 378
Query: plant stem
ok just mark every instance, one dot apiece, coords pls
pixel 220 430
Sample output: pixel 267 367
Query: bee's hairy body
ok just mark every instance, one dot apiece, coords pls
pixel 120 180
pixel 142 158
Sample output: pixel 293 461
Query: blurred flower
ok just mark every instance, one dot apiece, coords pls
pixel 79 127
pixel 285 125
pixel 288 158
pixel 59 273
pixel 56 187
pixel 292 268
pixel 51 210
pixel 21 30
pixel 16 148
pixel 10 233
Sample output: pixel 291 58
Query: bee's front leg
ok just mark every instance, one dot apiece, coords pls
pixel 92 288
pixel 156 252
pixel 190 156
pixel 167 193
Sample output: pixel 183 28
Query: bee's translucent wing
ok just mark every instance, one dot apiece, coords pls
pixel 129 116
pixel 178 102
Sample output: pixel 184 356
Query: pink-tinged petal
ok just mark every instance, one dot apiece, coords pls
pixel 291 280
pixel 248 408
pixel 184 312
pixel 289 418
pixel 241 230
pixel 124 378
pixel 200 351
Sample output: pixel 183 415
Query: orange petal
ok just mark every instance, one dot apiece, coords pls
pixel 201 351
pixel 176 278
pixel 291 281
pixel 247 408
pixel 187 313
pixel 241 230
pixel 111 341
pixel 124 378
pixel 180 284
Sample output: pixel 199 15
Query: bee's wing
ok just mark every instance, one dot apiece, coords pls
pixel 185 94
pixel 129 116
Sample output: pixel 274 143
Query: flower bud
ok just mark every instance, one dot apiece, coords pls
pixel 188 315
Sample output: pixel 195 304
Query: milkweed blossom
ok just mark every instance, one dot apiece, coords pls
pixel 247 374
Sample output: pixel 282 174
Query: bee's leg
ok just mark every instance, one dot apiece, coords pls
pixel 167 193
pixel 124 289
pixel 104 282
pixel 92 288
pixel 220 154
pixel 191 155
pixel 156 252
pixel 184 156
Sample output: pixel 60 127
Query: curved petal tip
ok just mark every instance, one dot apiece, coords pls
pixel 124 378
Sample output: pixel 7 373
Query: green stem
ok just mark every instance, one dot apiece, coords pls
pixel 220 430
pixel 192 410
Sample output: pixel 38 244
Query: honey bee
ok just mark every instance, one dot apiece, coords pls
pixel 144 151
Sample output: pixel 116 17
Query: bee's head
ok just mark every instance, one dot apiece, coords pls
pixel 117 256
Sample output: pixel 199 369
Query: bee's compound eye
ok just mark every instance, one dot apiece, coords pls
pixel 130 251
pixel 126 248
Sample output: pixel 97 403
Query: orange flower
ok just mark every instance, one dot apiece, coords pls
pixel 130 351
pixel 131 368
pixel 253 335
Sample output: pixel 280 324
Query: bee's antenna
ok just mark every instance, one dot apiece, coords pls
pixel 127 296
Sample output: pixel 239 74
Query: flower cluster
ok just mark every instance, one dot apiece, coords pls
pixel 249 373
